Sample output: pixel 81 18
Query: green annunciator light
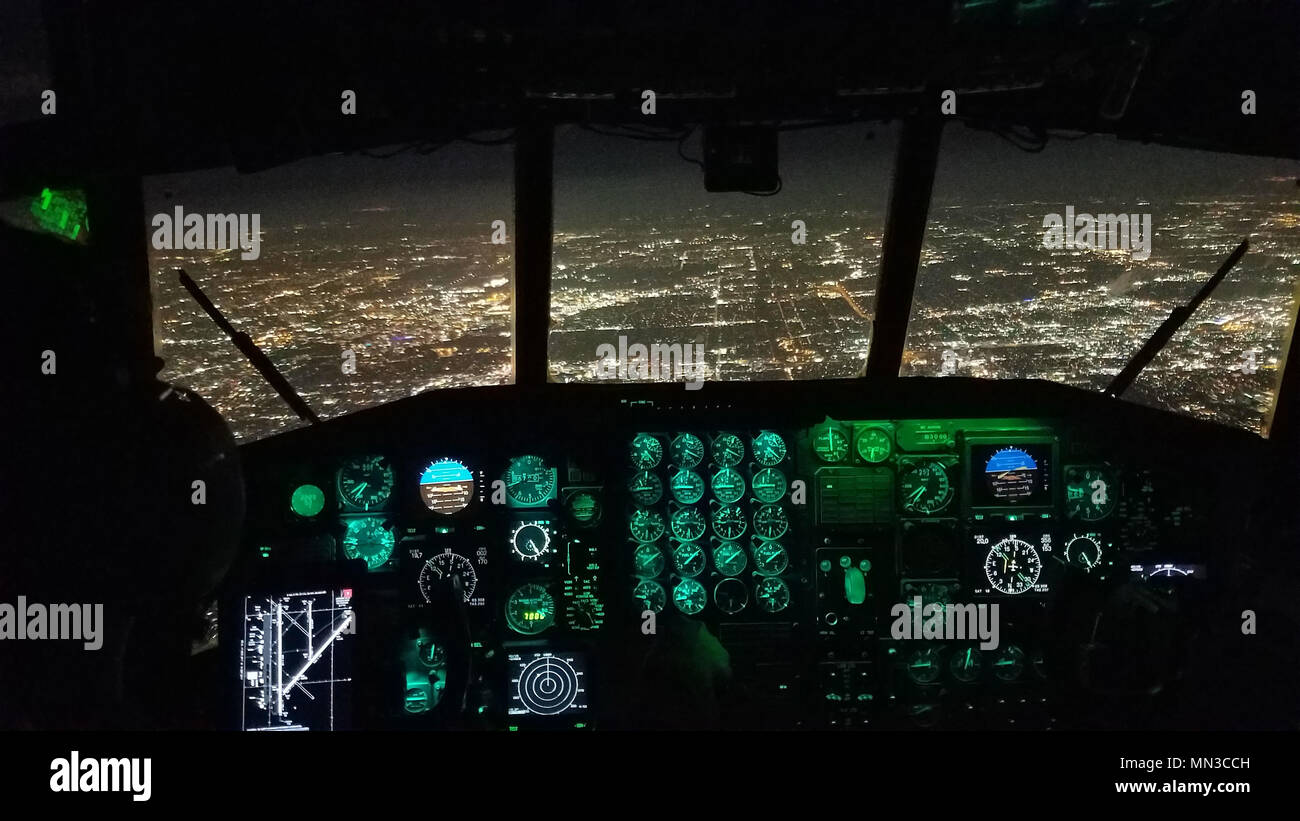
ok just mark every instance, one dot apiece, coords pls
pixel 61 212
pixel 307 501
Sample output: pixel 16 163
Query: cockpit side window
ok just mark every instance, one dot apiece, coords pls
pixel 364 279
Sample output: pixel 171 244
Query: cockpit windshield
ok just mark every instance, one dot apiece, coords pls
pixel 1059 262
pixel 364 279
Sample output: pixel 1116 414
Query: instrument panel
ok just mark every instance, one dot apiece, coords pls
pixel 856 572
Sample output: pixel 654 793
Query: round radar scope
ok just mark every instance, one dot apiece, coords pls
pixel 446 487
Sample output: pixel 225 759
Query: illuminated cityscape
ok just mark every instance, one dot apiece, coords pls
pixel 426 305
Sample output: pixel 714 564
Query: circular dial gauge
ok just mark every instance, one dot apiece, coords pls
pixel 729 522
pixel 585 509
pixel 770 559
pixel 731 596
pixel 1091 493
pixel 1010 663
pixel 1012 566
pixel 531 540
pixel 651 594
pixel 648 561
pixel 730 559
pixel 874 446
pixel 646 451
pixel 768 485
pixel 687 450
pixel 446 486
pixel 1084 551
pixel 770 522
pixel 923 666
pixel 965 664
pixel 728 486
pixel 772 594
pixel 548 686
pixel 688 524
pixel 307 501
pixel 646 488
pixel 530 609
pixel 728 450
pixel 366 482
pixel 769 448
pixel 367 539
pixel 443 568
pixel 925 488
pixel 830 444
pixel 1011 473
pixel 690 596
pixel 687 487
pixel 529 481
pixel 689 559
pixel 646 525
pixel 585 611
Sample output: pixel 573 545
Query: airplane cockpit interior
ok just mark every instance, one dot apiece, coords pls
pixel 899 365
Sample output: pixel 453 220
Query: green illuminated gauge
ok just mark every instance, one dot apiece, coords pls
pixel 366 482
pixel 769 448
pixel 925 488
pixel 730 559
pixel 367 539
pixel 529 482
pixel 728 486
pixel 829 444
pixel 307 501
pixel 772 594
pixel 1084 551
pixel 874 446
pixel 531 540
pixel 690 596
pixel 729 522
pixel 1091 492
pixel 770 559
pixel 687 487
pixel 530 609
pixel 651 594
pixel 688 524
pixel 731 596
pixel 687 450
pixel 728 450
pixel 648 561
pixel 1012 566
pixel 770 522
pixel 689 559
pixel 1010 663
pixel 923 666
pixel 646 488
pixel 768 485
pixel 646 451
pixel 965 664
pixel 585 509
pixel 646 525
pixel 585 611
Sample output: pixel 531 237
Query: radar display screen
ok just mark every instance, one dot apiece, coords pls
pixel 296 661
pixel 1011 474
pixel 548 684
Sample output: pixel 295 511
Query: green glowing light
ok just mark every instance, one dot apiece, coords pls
pixel 265 551
pixel 307 501
pixel 61 212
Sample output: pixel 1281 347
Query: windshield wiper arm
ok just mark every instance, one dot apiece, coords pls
pixel 1166 331
pixel 250 350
